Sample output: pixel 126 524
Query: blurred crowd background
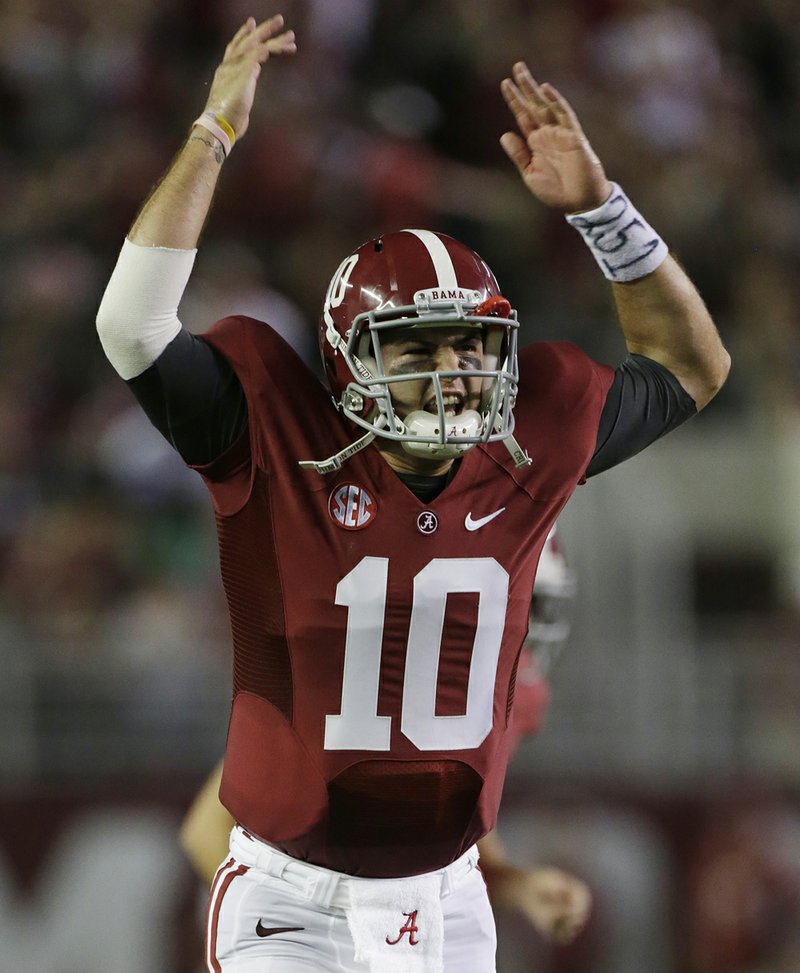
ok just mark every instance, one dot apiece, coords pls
pixel 669 772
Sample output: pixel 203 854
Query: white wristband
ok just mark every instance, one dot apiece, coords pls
pixel 138 316
pixel 623 244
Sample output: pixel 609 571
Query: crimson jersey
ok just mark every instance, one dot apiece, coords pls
pixel 376 637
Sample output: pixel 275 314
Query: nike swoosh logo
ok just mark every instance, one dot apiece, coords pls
pixel 471 524
pixel 265 931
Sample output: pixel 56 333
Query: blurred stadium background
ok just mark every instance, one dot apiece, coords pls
pixel 669 771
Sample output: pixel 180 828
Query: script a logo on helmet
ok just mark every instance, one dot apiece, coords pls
pixel 351 507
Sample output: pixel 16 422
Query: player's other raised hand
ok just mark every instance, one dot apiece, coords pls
pixel 234 86
pixel 557 903
pixel 550 149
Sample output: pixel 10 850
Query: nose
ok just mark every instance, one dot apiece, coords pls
pixel 447 359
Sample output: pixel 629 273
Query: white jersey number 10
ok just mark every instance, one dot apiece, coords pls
pixel 363 591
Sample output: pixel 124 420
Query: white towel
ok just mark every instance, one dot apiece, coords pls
pixel 397 924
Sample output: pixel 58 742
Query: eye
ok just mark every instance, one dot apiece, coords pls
pixel 471 346
pixel 416 352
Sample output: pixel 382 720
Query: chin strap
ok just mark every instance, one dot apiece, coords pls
pixel 333 463
pixel 519 455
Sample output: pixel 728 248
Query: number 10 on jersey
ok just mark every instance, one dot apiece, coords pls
pixel 363 592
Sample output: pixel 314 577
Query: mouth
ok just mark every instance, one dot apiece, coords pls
pixel 453 405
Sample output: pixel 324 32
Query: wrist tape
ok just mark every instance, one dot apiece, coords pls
pixel 624 245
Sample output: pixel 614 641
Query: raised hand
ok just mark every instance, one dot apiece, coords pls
pixel 551 151
pixel 234 86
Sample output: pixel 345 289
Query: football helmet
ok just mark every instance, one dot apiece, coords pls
pixel 553 592
pixel 548 630
pixel 410 281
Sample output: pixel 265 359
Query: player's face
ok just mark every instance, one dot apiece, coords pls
pixel 435 350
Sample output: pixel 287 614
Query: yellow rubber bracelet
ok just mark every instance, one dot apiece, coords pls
pixel 220 127
pixel 226 127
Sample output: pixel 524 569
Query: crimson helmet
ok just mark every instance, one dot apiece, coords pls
pixel 553 592
pixel 548 630
pixel 417 279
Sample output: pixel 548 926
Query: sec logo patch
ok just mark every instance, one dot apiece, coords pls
pixel 351 507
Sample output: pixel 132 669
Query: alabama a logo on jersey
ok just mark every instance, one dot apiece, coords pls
pixel 351 507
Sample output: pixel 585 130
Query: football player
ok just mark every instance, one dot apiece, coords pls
pixel 556 903
pixel 379 538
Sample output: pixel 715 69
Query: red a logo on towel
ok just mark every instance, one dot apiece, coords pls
pixel 410 927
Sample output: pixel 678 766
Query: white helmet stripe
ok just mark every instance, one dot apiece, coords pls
pixel 442 263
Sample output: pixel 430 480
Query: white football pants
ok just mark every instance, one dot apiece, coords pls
pixel 269 913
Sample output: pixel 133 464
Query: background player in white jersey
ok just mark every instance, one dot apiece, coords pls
pixel 378 587
pixel 556 903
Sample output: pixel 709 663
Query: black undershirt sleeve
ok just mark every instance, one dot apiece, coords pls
pixel 645 401
pixel 193 397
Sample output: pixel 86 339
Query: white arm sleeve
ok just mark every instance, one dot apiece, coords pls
pixel 138 316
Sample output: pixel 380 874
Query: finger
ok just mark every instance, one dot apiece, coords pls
pixel 246 28
pixel 560 107
pixel 243 31
pixel 526 121
pixel 269 27
pixel 528 85
pixel 259 35
pixel 516 149
pixel 529 95
pixel 534 94
pixel 282 44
